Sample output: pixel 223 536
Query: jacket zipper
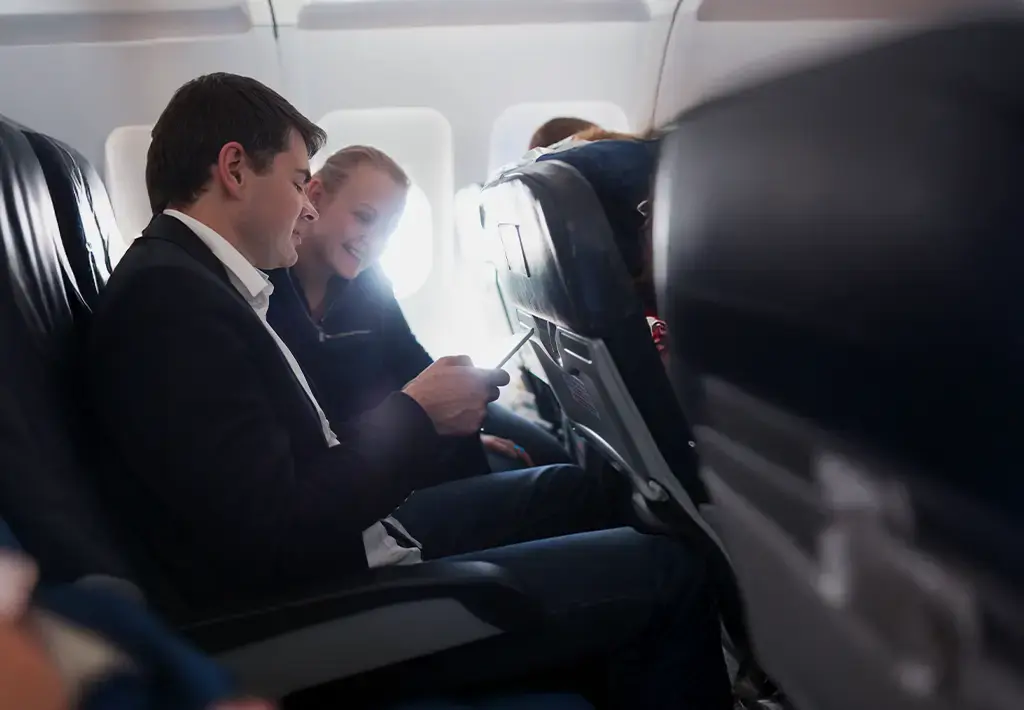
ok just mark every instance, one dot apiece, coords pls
pixel 321 335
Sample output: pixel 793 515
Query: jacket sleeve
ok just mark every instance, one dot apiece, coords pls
pixel 178 389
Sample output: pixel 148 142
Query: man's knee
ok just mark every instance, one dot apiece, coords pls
pixel 684 576
pixel 569 482
pixel 568 498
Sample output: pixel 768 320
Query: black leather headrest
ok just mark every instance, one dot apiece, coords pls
pixel 84 213
pixel 848 242
pixel 45 495
pixel 562 263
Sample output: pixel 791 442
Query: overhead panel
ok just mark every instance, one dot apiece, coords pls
pixel 372 14
pixel 31 22
pixel 798 10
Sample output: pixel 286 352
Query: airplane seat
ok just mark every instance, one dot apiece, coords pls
pixel 42 495
pixel 47 496
pixel 565 277
pixel 842 248
pixel 84 213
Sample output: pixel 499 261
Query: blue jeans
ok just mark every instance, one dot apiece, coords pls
pixel 639 603
pixel 543 448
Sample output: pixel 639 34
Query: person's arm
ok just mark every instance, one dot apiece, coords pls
pixel 185 403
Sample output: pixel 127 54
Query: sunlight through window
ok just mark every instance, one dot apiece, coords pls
pixel 410 252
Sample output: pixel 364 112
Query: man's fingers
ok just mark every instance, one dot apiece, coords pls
pixel 455 361
pixel 495 378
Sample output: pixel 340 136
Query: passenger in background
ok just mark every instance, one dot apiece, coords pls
pixel 558 129
pixel 338 314
pixel 620 168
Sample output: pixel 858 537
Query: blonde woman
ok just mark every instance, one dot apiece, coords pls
pixel 339 316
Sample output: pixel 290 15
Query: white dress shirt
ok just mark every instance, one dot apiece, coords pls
pixel 381 548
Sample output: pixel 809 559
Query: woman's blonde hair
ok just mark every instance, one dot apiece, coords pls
pixel 339 166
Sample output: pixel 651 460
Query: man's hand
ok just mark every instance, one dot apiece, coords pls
pixel 504 447
pixel 455 395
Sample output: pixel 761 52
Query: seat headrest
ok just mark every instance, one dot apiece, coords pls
pixel 45 493
pixel 562 263
pixel 33 259
pixel 873 207
pixel 84 214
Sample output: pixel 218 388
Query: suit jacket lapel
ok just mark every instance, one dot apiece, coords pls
pixel 169 229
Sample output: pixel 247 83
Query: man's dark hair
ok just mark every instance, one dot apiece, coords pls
pixel 558 129
pixel 204 115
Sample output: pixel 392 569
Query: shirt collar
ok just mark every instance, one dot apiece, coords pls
pixel 250 281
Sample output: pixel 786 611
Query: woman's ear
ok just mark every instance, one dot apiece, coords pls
pixel 317 193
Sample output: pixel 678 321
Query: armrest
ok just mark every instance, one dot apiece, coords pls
pixel 381 618
pixel 485 590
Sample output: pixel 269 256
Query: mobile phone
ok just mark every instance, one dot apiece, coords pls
pixel 520 340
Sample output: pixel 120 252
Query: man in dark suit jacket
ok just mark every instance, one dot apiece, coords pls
pixel 238 484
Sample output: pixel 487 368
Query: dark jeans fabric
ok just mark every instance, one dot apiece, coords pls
pixel 638 603
pixel 544 449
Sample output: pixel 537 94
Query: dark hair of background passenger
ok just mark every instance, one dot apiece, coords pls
pixel 204 115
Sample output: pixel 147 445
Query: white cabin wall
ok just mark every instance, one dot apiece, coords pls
pixel 79 93
pixel 706 58
pixel 715 45
pixel 472 74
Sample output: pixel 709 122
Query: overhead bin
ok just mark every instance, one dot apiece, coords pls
pixel 830 10
pixel 32 22
pixel 373 14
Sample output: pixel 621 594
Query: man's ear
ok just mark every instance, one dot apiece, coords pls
pixel 232 169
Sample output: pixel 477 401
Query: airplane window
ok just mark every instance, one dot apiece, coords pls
pixel 125 177
pixel 420 140
pixel 409 256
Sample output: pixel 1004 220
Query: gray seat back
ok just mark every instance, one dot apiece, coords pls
pixel 564 276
